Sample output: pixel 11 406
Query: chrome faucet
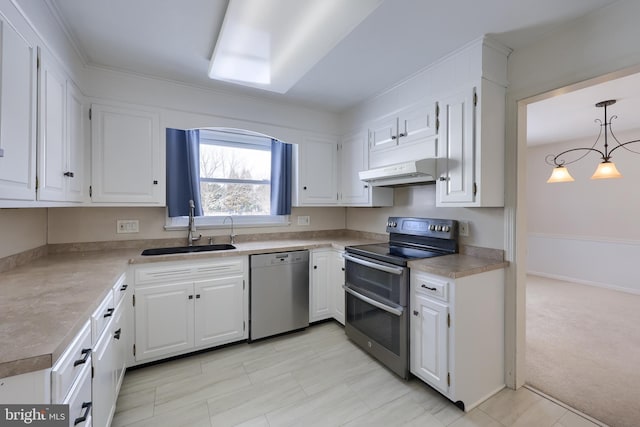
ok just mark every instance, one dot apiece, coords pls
pixel 192 224
pixel 232 237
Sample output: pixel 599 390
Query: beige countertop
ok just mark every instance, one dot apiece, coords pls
pixel 44 303
pixel 457 265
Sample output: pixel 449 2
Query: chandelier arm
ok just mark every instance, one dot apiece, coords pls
pixel 623 146
pixel 562 162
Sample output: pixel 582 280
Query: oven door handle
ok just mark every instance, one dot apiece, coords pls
pixel 393 270
pixel 393 310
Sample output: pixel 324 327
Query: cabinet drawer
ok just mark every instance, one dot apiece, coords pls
pixel 79 400
pixel 119 290
pixel 70 365
pixel 101 317
pixel 431 286
pixel 164 273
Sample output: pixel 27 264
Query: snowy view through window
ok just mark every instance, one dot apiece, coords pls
pixel 235 177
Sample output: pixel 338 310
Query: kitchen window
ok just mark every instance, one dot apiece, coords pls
pixel 234 180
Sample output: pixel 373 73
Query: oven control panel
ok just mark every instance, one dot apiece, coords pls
pixel 431 227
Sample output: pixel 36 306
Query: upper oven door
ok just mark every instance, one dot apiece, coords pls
pixel 384 282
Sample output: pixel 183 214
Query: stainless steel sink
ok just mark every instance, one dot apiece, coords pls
pixel 188 249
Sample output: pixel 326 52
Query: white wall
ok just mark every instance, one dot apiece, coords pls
pixel 21 230
pixel 92 224
pixel 486 226
pixel 584 231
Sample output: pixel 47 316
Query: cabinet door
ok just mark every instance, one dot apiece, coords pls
pixel 383 133
pixel 456 165
pixel 104 380
pixel 318 171
pixel 75 169
pixel 429 343
pixel 219 311
pixel 320 297
pixel 354 158
pixel 126 156
pixel 416 124
pixel 337 283
pixel 17 115
pixel 164 319
pixel 51 135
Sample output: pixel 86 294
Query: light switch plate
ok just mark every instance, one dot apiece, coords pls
pixel 128 226
pixel 304 220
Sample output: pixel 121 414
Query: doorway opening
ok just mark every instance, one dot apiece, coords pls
pixel 582 298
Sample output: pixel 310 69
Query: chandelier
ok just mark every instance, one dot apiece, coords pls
pixel 606 169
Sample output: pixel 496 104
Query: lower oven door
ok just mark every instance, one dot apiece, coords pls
pixel 379 327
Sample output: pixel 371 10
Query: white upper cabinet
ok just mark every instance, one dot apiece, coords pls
pixel 126 156
pixel 354 157
pixel 408 135
pixel 17 115
pixel 471 147
pixel 317 172
pixel 76 142
pixel 457 160
pixel 61 137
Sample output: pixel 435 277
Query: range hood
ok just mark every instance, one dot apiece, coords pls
pixel 401 174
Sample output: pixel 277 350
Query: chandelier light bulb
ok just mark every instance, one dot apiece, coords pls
pixel 560 174
pixel 606 170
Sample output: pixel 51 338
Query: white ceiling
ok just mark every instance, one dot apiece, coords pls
pixel 174 39
pixel 571 116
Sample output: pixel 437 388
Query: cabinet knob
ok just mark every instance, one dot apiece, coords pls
pixel 117 333
pixel 197 296
pixel 393 137
pixel 304 188
pixel 366 186
pixel 443 178
pixel 342 268
pixel 155 182
pixel 315 267
pixel 402 135
pixel 190 296
pixel 124 287
pixel 69 174
pixel 416 313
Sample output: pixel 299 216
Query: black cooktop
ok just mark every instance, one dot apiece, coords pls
pixel 394 254
pixel 412 238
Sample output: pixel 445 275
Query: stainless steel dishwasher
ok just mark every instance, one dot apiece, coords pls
pixel 279 293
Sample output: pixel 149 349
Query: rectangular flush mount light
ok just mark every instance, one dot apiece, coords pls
pixel 271 44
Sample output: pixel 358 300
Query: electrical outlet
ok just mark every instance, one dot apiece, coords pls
pixel 128 226
pixel 304 220
pixel 463 228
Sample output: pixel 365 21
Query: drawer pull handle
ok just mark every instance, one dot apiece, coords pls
pixel 85 352
pixel 116 334
pixel 431 289
pixel 124 287
pixel 109 312
pixel 87 407
pixel 197 296
pixel 69 174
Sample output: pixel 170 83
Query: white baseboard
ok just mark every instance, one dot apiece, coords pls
pixel 584 282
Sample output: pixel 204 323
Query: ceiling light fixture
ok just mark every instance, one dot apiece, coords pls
pixel 271 44
pixel 606 169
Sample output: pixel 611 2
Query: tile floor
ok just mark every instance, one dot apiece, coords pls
pixel 312 378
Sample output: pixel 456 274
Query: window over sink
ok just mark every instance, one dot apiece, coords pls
pixel 234 178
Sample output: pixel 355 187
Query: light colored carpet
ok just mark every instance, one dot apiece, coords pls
pixel 583 348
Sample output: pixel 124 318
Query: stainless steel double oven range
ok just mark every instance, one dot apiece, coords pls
pixel 377 285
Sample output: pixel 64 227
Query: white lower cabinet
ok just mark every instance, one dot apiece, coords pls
pixel 111 324
pixel 326 296
pixel 181 307
pixel 457 334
